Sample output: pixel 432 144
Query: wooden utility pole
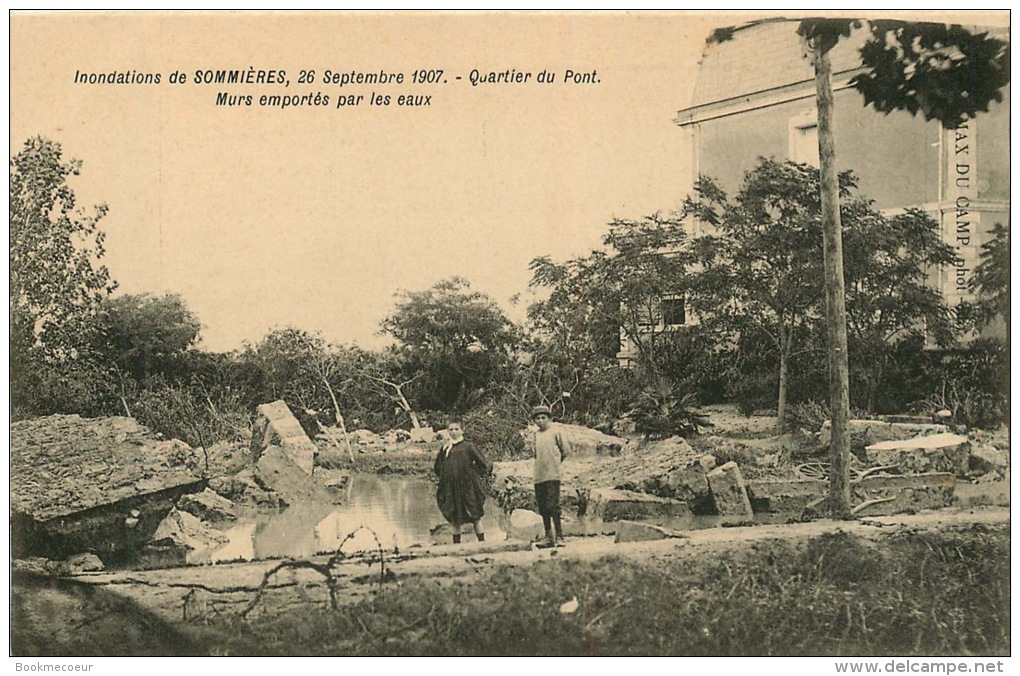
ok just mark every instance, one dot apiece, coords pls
pixel 835 290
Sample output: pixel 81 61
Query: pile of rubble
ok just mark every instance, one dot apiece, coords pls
pixel 367 441
pixel 900 467
pixel 85 491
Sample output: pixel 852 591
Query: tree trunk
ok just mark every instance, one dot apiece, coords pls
pixel 339 418
pixel 785 347
pixel 406 405
pixel 835 291
pixel 582 405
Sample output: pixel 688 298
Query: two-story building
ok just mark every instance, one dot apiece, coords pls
pixel 755 97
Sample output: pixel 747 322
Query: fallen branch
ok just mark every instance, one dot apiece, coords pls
pixel 322 569
pixel 868 503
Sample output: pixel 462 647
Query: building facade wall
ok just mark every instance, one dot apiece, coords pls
pixel 729 146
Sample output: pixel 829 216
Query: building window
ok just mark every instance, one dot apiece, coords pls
pixel 803 145
pixel 673 312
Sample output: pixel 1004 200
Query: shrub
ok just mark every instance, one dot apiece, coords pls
pixel 495 429
pixel 972 384
pixel 661 411
pixel 692 359
pixel 189 413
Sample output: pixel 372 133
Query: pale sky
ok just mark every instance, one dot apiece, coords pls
pixel 314 217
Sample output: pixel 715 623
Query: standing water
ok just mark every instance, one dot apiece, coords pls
pixel 400 511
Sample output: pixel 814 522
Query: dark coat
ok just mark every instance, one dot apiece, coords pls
pixel 461 493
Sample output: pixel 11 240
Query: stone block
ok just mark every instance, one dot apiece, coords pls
pixel 422 435
pixel 781 496
pixel 276 471
pixel 923 455
pixel 728 491
pixel 82 563
pixel 524 519
pixel 867 432
pixel 690 481
pixel 985 458
pixel 632 531
pixel 242 487
pixel 885 495
pixel 186 532
pixel 365 438
pixel 208 506
pixel 611 504
pixel 333 479
pixel 275 425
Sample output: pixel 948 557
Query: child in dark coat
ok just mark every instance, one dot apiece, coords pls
pixel 460 467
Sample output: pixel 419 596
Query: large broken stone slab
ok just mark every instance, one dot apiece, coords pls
pixel 610 504
pixel 885 495
pixel 728 491
pixel 75 482
pixel 275 425
pixel 661 468
pixel 277 472
pixel 867 432
pixel 633 531
pixel 922 455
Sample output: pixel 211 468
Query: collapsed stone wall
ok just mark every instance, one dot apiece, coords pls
pixel 93 484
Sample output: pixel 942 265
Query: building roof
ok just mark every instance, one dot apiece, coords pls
pixel 62 464
pixel 762 56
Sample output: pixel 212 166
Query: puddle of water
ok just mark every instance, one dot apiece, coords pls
pixel 401 511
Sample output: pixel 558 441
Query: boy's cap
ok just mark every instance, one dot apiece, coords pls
pixel 541 410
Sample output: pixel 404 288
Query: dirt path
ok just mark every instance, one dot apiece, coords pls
pixel 198 592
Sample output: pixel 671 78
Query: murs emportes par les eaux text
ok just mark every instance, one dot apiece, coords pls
pixel 278 78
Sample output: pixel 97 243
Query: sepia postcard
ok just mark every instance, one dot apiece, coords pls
pixel 432 333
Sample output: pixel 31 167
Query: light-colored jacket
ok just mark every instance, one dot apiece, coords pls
pixel 550 451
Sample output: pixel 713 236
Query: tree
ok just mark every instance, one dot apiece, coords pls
pixel 991 279
pixel 611 293
pixel 56 285
pixel 144 334
pixel 458 340
pixel 385 373
pixel 139 336
pixel 889 300
pixel 313 376
pixel 762 271
pixel 944 72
